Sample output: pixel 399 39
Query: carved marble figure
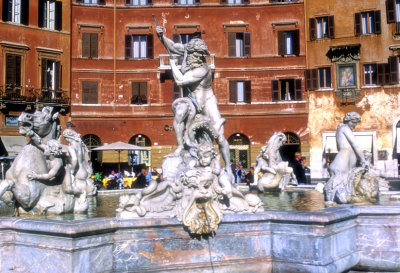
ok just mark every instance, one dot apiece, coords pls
pixel 276 173
pixel 195 188
pixel 195 78
pixel 351 180
pixel 37 181
pixel 80 168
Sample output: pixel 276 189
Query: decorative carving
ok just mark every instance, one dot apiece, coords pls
pixel 38 181
pixel 195 187
pixel 275 172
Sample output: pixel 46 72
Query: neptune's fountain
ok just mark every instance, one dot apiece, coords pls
pixel 195 220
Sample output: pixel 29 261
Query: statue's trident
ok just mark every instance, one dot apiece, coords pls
pixel 159 36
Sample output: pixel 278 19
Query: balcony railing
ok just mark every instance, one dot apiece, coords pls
pixel 396 29
pixel 165 65
pixel 20 94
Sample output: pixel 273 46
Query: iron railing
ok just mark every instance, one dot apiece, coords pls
pixel 18 94
pixel 396 29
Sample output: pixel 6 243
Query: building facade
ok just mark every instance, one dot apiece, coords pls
pixel 122 87
pixel 353 65
pixel 35 61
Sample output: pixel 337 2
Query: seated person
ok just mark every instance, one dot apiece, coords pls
pixel 142 178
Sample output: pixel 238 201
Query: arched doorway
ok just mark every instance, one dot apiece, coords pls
pixel 140 158
pixel 396 144
pixel 290 147
pixel 91 142
pixel 239 148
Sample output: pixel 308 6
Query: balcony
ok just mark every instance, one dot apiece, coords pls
pixel 165 65
pixel 396 29
pixel 12 94
pixel 348 96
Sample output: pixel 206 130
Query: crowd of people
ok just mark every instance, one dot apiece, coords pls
pixel 115 180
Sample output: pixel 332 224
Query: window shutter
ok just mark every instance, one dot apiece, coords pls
pixel 58 76
pixel 176 38
pixel 102 2
pixel 176 2
pixel 298 92
pixel 247 44
pixel 247 91
pixel 128 46
pixel 149 44
pixel 313 28
pixel 94 45
pixel 7 10
pixel 231 44
pixel 307 75
pixel 246 1
pixel 197 2
pixel 357 24
pixel 17 71
pixel 143 92
pixel 85 92
pixel 314 79
pixel 281 43
pixel 387 73
pixel 58 22
pixel 233 91
pixel 149 2
pixel 86 45
pixel 394 71
pixel 176 92
pixel 91 95
pixel 25 12
pixel 275 90
pixel 390 11
pixel 377 21
pixel 44 73
pixel 331 27
pixel 41 14
pixel 224 2
pixel 380 73
pixel 296 42
pixel 79 1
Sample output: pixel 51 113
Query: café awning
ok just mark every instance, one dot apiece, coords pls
pixel 13 144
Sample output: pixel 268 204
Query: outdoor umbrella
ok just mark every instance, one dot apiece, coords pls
pixel 120 146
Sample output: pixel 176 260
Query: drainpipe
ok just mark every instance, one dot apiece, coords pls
pixel 115 55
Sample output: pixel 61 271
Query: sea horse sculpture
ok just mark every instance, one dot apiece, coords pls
pixel 276 173
pixel 38 181
pixel 195 189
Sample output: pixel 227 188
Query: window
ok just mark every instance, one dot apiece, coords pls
pixel 50 14
pixel 51 74
pixel 93 2
pixel 239 44
pixel 138 2
pixel 387 73
pixel 186 2
pixel 13 70
pixel 324 77
pixel 16 11
pixel 139 93
pixel 370 74
pixel 367 22
pixel 138 46
pixel 321 27
pixel 288 42
pixel 393 11
pixel 318 78
pixel 184 38
pixel 235 2
pixel 89 93
pixel 90 45
pixel 286 90
pixel 240 91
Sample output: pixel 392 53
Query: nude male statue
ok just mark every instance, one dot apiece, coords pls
pixel 195 75
pixel 348 156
